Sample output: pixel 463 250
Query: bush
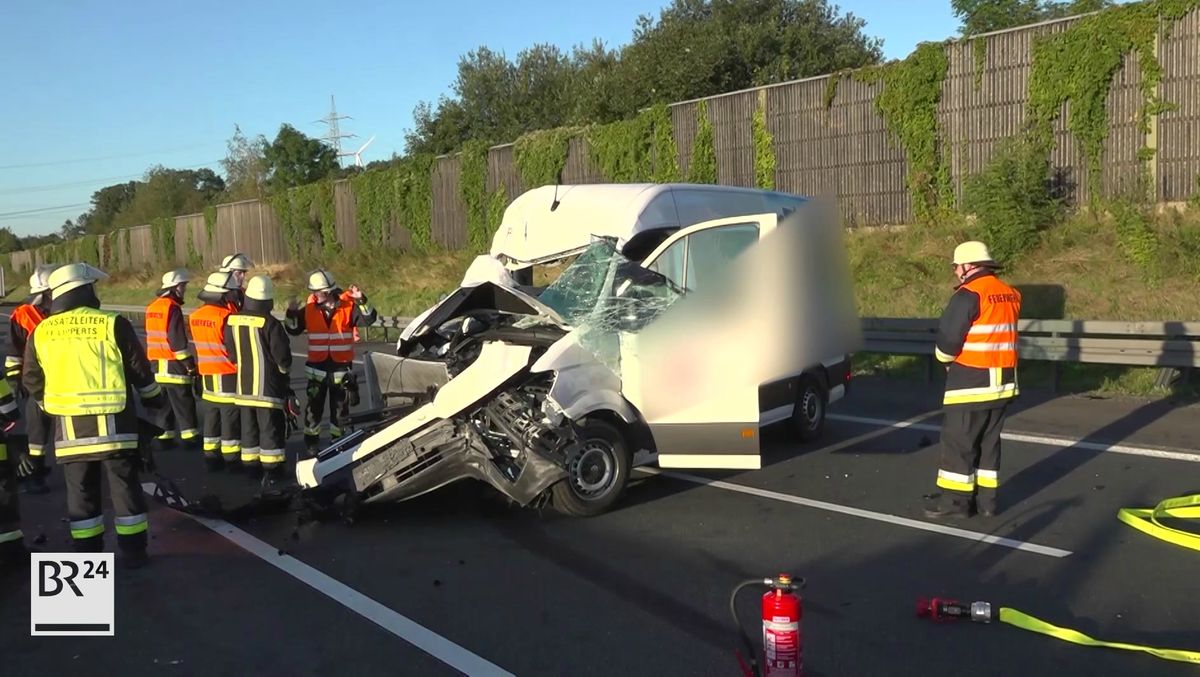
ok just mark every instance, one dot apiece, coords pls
pixel 1012 200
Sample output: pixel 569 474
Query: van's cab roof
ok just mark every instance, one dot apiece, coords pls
pixel 550 222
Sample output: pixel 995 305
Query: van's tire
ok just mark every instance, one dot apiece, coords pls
pixel 812 399
pixel 597 471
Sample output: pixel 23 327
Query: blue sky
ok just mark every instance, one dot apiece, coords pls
pixel 97 92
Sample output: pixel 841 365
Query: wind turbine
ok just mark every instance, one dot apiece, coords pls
pixel 358 153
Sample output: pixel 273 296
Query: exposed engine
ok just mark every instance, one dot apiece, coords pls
pixel 512 425
pixel 507 441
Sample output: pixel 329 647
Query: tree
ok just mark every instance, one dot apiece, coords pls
pixel 245 166
pixel 106 204
pixel 293 159
pixel 9 242
pixel 170 192
pixel 695 48
pixel 699 48
pixel 982 16
pixel 72 230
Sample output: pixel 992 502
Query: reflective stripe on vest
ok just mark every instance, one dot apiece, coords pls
pixel 253 367
pixel 157 315
pixel 991 341
pixel 208 333
pixel 330 340
pixel 92 383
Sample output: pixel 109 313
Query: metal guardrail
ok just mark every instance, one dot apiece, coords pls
pixel 386 323
pixel 1170 345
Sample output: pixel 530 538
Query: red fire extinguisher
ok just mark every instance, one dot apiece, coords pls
pixel 782 641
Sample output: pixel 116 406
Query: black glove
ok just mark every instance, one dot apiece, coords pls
pixel 197 385
pixel 30 465
pixel 147 432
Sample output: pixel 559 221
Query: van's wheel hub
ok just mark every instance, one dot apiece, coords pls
pixel 810 404
pixel 593 468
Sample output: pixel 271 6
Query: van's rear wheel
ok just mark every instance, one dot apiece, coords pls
pixel 597 471
pixel 811 401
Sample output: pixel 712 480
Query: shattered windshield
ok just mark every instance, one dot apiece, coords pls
pixel 604 293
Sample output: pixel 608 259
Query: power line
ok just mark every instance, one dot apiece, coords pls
pixel 36 212
pixel 55 186
pixel 56 163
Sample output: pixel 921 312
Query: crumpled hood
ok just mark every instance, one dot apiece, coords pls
pixel 480 296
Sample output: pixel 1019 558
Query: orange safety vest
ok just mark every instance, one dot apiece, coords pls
pixel 312 298
pixel 991 342
pixel 208 333
pixel 27 316
pixel 157 314
pixel 333 340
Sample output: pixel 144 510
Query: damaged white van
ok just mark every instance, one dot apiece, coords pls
pixel 687 319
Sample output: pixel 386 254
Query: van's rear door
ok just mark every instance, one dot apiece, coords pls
pixel 682 374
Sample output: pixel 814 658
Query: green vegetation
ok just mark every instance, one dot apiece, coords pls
pixel 764 149
pixel 1078 65
pixel 702 168
pixel 908 103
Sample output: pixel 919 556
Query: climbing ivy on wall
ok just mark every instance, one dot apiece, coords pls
pixel 327 217
pixel 162 237
pixel 703 165
pixel 375 205
pixel 472 182
pixel 979 48
pixel 416 200
pixel 908 103
pixel 193 256
pixel 541 156
pixel 210 224
pixel 764 149
pixel 89 250
pixel 1077 67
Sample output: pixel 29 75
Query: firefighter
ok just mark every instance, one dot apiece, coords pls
pixel 328 319
pixel 22 322
pixel 977 341
pixel 12 540
pixel 262 351
pixel 237 265
pixel 83 366
pixel 168 349
pixel 222 424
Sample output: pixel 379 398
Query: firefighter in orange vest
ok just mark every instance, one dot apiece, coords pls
pixel 238 266
pixel 977 340
pixel 170 354
pixel 24 319
pixel 329 320
pixel 218 374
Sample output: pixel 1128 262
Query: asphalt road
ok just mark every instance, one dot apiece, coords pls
pixel 644 589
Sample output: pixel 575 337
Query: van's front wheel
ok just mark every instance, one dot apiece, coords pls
pixel 597 471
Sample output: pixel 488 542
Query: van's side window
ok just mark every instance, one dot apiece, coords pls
pixel 711 251
pixel 670 264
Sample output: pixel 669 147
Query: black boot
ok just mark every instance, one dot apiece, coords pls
pixel 950 507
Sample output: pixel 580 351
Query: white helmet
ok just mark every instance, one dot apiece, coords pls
pixel 260 288
pixel 219 283
pixel 40 280
pixel 320 280
pixel 73 276
pixel 176 277
pixel 238 261
pixel 972 252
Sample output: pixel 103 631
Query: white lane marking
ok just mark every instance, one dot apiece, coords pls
pixel 866 514
pixel 1047 440
pixel 406 629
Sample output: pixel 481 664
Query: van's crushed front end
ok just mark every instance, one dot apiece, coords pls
pixel 494 385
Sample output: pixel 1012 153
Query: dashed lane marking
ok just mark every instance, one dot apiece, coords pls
pixel 967 534
pixel 406 629
pixel 1028 438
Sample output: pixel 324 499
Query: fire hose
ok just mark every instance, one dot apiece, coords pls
pixel 1146 520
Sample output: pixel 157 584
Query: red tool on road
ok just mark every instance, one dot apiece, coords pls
pixel 782 641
